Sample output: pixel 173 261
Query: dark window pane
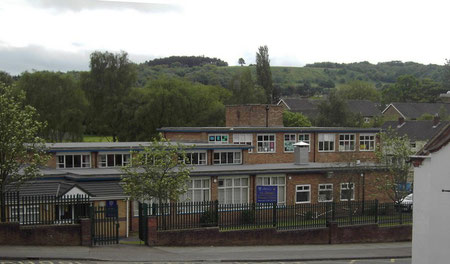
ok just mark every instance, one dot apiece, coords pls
pixel 69 161
pixel 110 160
pixel 77 161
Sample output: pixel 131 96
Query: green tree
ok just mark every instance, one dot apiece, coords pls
pixel 291 119
pixel 334 112
pixel 5 78
pixel 59 101
pixel 21 149
pixel 106 85
pixel 446 76
pixel 359 90
pixel 394 152
pixel 241 61
pixel 264 74
pixel 159 171
pixel 244 89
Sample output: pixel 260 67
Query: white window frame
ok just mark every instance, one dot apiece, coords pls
pixel 270 181
pixel 325 187
pixel 244 139
pixel 303 188
pixel 347 141
pixel 104 164
pixel 291 140
pixel 221 136
pixel 263 142
pixel 302 135
pixel 234 189
pixel 326 141
pixel 189 155
pixel 366 138
pixel 344 186
pixel 83 164
pixel 237 157
pixel 192 188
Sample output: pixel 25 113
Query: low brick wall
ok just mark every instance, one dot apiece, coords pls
pixel 270 236
pixel 45 235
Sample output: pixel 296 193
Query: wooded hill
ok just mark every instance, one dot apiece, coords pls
pixel 313 79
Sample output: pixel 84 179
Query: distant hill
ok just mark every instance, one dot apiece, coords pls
pixel 313 79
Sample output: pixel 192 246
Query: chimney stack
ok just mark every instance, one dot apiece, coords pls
pixel 401 121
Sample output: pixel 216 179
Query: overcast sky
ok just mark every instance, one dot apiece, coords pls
pixel 59 35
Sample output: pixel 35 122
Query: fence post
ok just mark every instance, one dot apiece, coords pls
pixel 376 210
pixel 216 212
pixel 274 214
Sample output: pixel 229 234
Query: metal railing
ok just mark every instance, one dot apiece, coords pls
pixel 172 216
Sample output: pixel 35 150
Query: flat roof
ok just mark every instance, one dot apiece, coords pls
pixel 268 129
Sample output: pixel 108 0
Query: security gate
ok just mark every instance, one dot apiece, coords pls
pixel 143 215
pixel 105 225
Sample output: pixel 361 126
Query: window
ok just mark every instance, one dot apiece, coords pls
pixel 347 191
pixel 195 158
pixel 366 142
pixel 326 142
pixel 227 157
pixel 346 142
pixel 198 191
pixel 218 138
pixel 303 193
pixel 266 143
pixel 243 139
pixel 366 119
pixel 233 190
pixel 305 138
pixel 289 141
pixel 73 161
pixel 279 181
pixel 113 160
pixel 326 192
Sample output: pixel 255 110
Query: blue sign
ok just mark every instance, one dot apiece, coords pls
pixel 266 194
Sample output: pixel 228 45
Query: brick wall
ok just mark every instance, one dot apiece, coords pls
pixel 254 116
pixel 270 236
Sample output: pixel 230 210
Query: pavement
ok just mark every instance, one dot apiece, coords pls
pixel 142 253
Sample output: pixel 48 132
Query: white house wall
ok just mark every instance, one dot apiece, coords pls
pixel 431 213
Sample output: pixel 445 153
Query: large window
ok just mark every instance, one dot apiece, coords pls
pixel 326 142
pixel 305 138
pixel 243 139
pixel 346 142
pixel 289 141
pixel 227 157
pixel 195 158
pixel 279 181
pixel 218 138
pixel 233 190
pixel 28 214
pixel 367 142
pixel 347 191
pixel 266 143
pixel 303 193
pixel 73 161
pixel 198 191
pixel 326 192
pixel 113 160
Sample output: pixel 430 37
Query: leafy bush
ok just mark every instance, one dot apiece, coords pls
pixel 247 217
pixel 208 218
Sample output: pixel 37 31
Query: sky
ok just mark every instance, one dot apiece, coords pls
pixel 59 35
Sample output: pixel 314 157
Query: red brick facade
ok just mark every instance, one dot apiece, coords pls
pixel 254 116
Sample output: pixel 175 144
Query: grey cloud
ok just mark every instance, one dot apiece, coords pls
pixel 18 60
pixel 80 5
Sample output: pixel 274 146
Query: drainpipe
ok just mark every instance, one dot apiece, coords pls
pixel 267 115
pixel 128 216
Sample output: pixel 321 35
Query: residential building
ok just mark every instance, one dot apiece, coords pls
pixel 309 107
pixel 413 111
pixel 432 200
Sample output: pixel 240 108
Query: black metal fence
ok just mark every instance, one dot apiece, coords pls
pixel 172 216
pixel 43 209
pixel 104 225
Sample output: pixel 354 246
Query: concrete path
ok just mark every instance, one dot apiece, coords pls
pixel 141 253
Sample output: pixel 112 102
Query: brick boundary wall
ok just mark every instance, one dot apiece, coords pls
pixel 46 235
pixel 270 236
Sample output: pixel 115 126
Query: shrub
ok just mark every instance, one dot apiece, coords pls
pixel 208 218
pixel 247 217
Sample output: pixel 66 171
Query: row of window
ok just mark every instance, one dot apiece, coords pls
pixel 266 143
pixel 325 192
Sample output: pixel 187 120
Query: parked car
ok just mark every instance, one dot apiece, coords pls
pixel 407 202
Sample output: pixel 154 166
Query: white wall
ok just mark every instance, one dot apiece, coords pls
pixel 431 213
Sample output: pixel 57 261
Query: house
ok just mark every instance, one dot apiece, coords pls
pixel 445 97
pixel 308 107
pixel 413 111
pixel 418 132
pixel 432 200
